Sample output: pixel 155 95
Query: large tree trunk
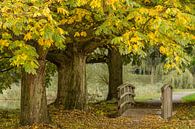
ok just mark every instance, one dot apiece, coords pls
pixel 115 67
pixel 72 90
pixel 64 70
pixel 76 90
pixel 33 95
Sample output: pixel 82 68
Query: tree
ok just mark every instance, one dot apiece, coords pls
pixel 27 32
pixel 167 25
pixel 29 28
pixel 81 24
pixel 114 61
pixel 33 94
pixel 133 27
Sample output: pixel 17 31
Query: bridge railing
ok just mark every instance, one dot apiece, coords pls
pixel 126 96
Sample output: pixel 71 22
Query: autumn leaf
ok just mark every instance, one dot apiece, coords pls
pixel 27 36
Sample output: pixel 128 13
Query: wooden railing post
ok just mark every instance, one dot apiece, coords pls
pixel 125 97
pixel 166 99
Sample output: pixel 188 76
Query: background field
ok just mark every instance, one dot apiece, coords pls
pixel 97 83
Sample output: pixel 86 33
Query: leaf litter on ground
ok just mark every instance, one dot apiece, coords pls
pixel 102 116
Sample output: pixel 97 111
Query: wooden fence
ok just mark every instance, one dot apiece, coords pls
pixel 125 97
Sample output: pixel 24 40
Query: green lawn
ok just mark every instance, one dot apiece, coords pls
pixel 147 97
pixel 189 98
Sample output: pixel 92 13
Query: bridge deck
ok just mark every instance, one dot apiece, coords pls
pixel 139 113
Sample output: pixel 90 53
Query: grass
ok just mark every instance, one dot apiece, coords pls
pixel 146 92
pixel 146 98
pixel 189 98
pixel 183 90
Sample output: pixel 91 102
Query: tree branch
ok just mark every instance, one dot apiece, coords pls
pixel 6 57
pixel 56 57
pixel 95 43
pixel 100 59
pixel 5 70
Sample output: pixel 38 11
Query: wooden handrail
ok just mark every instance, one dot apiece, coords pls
pixel 127 93
pixel 126 102
pixel 125 97
pixel 125 85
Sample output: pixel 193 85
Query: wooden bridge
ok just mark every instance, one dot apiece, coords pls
pixel 126 101
pixel 125 97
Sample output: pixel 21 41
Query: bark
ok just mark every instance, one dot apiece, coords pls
pixel 115 67
pixel 33 95
pixel 64 70
pixel 76 90
pixel 193 73
pixel 72 90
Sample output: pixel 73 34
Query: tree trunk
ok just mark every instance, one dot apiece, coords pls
pixel 33 95
pixel 152 75
pixel 76 90
pixel 72 90
pixel 64 70
pixel 193 74
pixel 115 67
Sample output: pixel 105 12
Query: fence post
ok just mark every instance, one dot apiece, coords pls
pixel 166 99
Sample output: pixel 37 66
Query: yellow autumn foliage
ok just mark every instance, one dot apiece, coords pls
pixel 135 39
pixel 111 2
pixel 163 50
pixel 45 42
pixel 147 1
pixel 96 3
pixel 77 34
pixel 80 34
pixel 62 11
pixel 28 36
pixel 177 59
pixel 4 43
pixel 135 47
pixel 20 59
pixel 83 33
pixel 61 31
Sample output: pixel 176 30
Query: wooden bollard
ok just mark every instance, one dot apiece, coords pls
pixel 166 99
